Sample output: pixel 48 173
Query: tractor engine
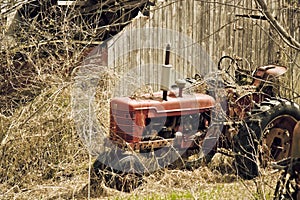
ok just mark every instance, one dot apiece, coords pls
pixel 151 122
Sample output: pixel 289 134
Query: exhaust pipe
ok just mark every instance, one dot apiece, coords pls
pixel 166 74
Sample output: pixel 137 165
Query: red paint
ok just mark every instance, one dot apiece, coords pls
pixel 128 115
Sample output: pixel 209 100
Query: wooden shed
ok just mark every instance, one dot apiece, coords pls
pixel 200 32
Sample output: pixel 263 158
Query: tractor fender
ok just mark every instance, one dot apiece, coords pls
pixel 296 141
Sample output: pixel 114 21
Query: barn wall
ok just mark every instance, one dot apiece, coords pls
pixel 199 33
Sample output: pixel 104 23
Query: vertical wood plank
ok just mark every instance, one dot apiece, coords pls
pixel 209 24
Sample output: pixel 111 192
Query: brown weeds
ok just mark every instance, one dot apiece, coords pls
pixel 42 155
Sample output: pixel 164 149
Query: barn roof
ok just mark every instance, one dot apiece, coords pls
pixel 112 11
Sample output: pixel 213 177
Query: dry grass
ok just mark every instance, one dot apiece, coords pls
pixel 42 156
pixel 202 183
pixel 40 143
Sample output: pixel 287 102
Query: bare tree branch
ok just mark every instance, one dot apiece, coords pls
pixel 288 39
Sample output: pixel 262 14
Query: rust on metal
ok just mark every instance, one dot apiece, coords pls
pixel 296 142
pixel 274 70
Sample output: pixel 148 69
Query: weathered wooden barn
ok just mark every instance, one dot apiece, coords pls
pixel 200 32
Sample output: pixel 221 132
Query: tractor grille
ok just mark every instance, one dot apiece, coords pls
pixel 122 126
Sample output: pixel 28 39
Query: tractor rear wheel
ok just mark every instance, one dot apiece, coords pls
pixel 265 136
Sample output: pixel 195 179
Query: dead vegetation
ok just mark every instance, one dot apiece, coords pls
pixel 42 156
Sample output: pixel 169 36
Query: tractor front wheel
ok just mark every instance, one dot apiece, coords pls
pixel 119 170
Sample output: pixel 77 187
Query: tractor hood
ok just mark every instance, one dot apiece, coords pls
pixel 155 106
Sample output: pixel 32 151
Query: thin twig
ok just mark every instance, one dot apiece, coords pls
pixel 287 38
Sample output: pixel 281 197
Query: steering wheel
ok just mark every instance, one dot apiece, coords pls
pixel 229 70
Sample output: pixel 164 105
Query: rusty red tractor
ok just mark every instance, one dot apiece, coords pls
pixel 184 125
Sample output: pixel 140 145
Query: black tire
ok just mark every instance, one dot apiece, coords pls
pixel 265 129
pixel 103 171
pixel 119 170
pixel 209 145
pixel 131 173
